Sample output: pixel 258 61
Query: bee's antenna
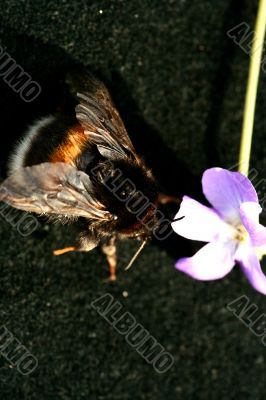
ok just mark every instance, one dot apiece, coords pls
pixel 136 254
pixel 178 219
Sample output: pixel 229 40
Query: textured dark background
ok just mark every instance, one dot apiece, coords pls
pixel 179 82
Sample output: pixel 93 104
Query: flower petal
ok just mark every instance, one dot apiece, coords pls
pixel 249 213
pixel 199 222
pixel 213 261
pixel 250 265
pixel 226 190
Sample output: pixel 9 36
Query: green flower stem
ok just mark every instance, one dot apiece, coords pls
pixel 252 87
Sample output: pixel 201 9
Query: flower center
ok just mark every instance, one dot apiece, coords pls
pixel 241 233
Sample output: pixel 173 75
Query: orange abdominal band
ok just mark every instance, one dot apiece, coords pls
pixel 72 146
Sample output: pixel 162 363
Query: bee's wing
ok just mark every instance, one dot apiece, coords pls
pixel 101 121
pixel 53 188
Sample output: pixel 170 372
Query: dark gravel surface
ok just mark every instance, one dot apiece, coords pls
pixel 179 82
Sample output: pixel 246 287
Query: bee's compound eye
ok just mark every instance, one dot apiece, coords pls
pixel 115 217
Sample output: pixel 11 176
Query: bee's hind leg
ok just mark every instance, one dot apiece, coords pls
pixel 109 249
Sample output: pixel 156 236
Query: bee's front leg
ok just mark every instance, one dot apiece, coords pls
pixel 85 244
pixel 109 249
pixel 59 252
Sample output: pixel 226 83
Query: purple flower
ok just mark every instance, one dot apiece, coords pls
pixel 231 227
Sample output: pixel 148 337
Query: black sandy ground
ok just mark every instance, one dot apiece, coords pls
pixel 179 82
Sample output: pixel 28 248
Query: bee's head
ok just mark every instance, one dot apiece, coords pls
pixel 128 190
